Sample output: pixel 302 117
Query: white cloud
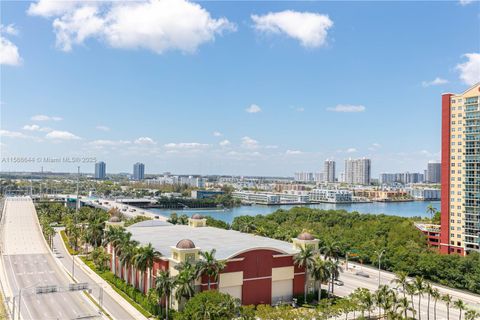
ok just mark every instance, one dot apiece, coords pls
pixel 351 150
pixel 300 109
pixel 224 143
pixel 61 135
pixel 253 109
pixel 13 134
pixel 465 2
pixel 35 127
pixel 156 25
pixel 9 54
pixel 144 141
pixel 103 128
pixel 435 82
pixel 293 152
pixel 42 117
pixel 309 28
pixel 50 8
pixel 249 143
pixel 470 70
pixel 347 108
pixel 108 143
pixel 217 134
pixel 186 145
pixel 8 29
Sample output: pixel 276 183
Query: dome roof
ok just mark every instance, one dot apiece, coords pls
pixel 185 244
pixel 305 236
pixel 197 216
pixel 114 219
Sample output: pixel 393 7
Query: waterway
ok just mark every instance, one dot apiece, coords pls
pixel 403 209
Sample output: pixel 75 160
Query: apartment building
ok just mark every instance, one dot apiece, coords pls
pixel 358 171
pixel 460 218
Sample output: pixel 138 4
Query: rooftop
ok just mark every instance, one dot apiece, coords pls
pixel 228 243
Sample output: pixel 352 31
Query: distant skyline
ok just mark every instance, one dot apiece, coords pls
pixel 243 88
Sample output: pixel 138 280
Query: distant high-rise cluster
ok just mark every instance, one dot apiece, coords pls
pixel 358 171
pixel 138 171
pixel 100 170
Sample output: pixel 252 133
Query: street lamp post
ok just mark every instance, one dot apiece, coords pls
pixel 76 213
pixel 379 265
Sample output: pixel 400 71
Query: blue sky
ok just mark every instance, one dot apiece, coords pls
pixel 265 88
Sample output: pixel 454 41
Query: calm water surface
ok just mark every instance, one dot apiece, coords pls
pixel 403 209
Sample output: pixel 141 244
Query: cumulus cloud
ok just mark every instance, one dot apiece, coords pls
pixel 224 143
pixel 99 144
pixel 13 134
pixel 61 135
pixel 217 134
pixel 156 25
pixel 351 150
pixel 103 128
pixel 435 82
pixel 249 143
pixel 470 69
pixel 253 109
pixel 9 53
pixel 144 141
pixel 347 108
pixel 465 2
pixel 185 145
pixel 34 127
pixel 42 117
pixel 311 29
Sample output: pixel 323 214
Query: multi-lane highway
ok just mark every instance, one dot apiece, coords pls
pixel 28 267
pixel 352 281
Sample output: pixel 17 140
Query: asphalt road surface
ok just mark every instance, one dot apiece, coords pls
pixel 28 264
pixel 352 281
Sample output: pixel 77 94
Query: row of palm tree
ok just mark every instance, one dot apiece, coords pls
pixel 420 288
pixel 321 269
pixel 128 255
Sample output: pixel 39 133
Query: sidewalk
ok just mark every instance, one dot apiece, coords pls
pixel 114 304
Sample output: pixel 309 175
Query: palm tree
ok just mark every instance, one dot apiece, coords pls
pixel 184 282
pixel 431 210
pixel 419 285
pixel 435 295
pixel 210 266
pixel 112 236
pixel 411 291
pixel 165 285
pixel 460 305
pixel 330 250
pixel 472 315
pixel 126 256
pixel 381 297
pixel 334 270
pixel 366 300
pixel 401 280
pixel 448 300
pixel 321 273
pixel 304 259
pixel 428 290
pixel 144 262
pixel 404 306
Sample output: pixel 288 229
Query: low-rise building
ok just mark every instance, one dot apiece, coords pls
pixel 432 232
pixel 258 270
pixel 331 195
pixel 257 197
pixel 205 194
pixel 424 193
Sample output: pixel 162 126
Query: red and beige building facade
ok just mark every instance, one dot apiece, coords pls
pixel 258 270
pixel 460 208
